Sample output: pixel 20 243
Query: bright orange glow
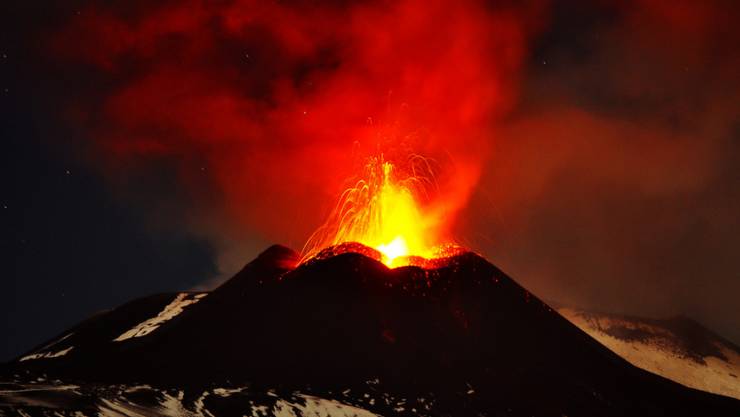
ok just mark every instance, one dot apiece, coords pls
pixel 383 211
pixel 393 250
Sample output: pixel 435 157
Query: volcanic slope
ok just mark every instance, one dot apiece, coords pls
pixel 461 338
pixel 677 348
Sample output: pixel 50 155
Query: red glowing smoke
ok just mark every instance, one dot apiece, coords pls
pixel 277 103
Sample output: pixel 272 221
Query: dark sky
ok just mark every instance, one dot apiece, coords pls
pixel 151 148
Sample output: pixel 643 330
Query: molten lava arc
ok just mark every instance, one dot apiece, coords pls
pixel 383 211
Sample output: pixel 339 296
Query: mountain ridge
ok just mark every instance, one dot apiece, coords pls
pixel 325 325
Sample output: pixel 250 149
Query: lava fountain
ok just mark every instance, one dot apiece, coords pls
pixel 384 210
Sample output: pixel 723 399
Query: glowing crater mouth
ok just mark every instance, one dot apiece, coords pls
pixel 394 250
pixel 388 210
pixel 440 257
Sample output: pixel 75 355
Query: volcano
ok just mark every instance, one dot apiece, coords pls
pixel 677 348
pixel 342 334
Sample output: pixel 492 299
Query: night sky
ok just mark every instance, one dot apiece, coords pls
pixel 159 147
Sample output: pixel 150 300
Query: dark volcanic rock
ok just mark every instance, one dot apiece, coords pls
pixel 464 334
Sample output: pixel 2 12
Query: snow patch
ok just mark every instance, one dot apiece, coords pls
pixel 171 310
pixel 46 355
pixel 116 401
pixel 57 341
pixel 660 355
pixel 227 392
pixel 319 407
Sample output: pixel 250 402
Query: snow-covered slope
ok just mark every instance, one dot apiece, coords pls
pixel 341 335
pixel 45 397
pixel 678 349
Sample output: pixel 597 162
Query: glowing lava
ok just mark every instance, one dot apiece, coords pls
pixel 393 250
pixel 382 211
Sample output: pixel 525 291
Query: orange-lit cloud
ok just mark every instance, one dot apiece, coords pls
pixel 278 104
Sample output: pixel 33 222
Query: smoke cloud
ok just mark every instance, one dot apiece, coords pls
pixel 589 148
pixel 615 184
pixel 264 109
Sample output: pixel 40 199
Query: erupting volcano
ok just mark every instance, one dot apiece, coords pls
pixel 385 210
pixel 396 127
